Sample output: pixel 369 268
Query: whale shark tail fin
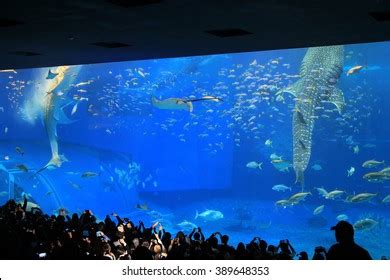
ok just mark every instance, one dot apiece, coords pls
pixel 55 162
pixel 197 214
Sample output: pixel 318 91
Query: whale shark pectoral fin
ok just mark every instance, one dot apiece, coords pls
pixel 60 116
pixel 293 90
pixel 288 90
pixel 337 98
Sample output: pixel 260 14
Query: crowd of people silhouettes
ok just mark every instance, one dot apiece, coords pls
pixel 35 235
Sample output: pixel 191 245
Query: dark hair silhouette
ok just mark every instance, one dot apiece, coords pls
pixel 346 248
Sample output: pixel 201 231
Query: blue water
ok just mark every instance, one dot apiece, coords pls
pixel 178 162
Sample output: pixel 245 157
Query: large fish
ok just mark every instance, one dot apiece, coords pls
pixel 54 102
pixel 180 104
pixel 172 104
pixel 319 73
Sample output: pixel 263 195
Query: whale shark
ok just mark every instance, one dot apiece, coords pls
pixel 320 71
pixel 53 103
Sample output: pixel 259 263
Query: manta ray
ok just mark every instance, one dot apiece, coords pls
pixel 51 75
pixel 174 103
pixel 320 71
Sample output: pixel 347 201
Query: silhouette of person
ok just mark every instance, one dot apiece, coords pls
pixel 303 256
pixel 346 248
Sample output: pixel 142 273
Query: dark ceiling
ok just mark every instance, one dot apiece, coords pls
pixel 46 33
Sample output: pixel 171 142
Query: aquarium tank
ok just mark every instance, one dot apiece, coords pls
pixel 277 144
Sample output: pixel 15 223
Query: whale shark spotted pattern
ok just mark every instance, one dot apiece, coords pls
pixel 319 73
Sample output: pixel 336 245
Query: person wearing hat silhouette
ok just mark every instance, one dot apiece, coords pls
pixel 346 248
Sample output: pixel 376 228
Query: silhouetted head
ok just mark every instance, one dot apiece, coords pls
pixel 19 214
pixel 181 236
pixel 284 248
pixel 213 241
pixel 303 255
pixel 225 239
pixel 319 253
pixel 100 226
pixel 344 232
pixel 119 235
pixel 129 225
pixel 106 248
pixel 11 204
pixel 196 236
pixel 167 235
pixel 271 249
pixel 263 245
pixel 241 247
pixel 60 219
